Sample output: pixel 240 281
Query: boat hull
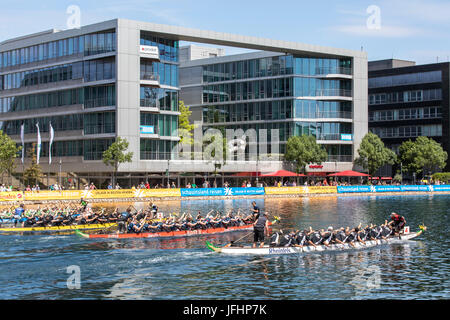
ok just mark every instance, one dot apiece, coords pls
pixel 266 250
pixel 95 226
pixel 172 234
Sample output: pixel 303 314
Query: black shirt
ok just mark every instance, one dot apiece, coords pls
pixel 261 222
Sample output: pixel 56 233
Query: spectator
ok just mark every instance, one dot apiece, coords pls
pixel 110 186
pixel 147 185
pixel 117 186
pixel 173 185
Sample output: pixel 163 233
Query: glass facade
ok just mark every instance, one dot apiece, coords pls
pixel 405 79
pixel 405 96
pixel 163 99
pixel 406 114
pixel 322 130
pixel 151 149
pixel 93 70
pixel 164 73
pixel 433 130
pixel 89 44
pixel 312 87
pixel 311 109
pixel 168 49
pixel 59 123
pixel 99 123
pixel 93 149
pixel 89 96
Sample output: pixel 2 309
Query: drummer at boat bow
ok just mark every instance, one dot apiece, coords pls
pixel 398 222
pixel 260 227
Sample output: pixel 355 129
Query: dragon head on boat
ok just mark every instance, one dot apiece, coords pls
pixel 422 227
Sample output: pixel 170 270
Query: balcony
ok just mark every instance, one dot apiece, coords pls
pixel 99 102
pixel 152 155
pixel 149 78
pixel 326 115
pixel 339 158
pixel 338 72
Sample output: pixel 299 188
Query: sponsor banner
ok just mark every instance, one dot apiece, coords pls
pixel 346 137
pixel 157 193
pixel 108 193
pixel 284 190
pixel 324 189
pixel 210 192
pixel 147 129
pixel 424 188
pixel 350 189
pixel 441 187
pixel 149 51
pixel 388 189
pixel 52 195
pixel 11 196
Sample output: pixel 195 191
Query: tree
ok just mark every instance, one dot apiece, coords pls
pixel 32 174
pixel 373 154
pixel 115 155
pixel 184 126
pixel 303 150
pixel 423 155
pixel 8 153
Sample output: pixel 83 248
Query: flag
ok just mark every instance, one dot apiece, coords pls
pixel 22 131
pixel 52 135
pixel 38 143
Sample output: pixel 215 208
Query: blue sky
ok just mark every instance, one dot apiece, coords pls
pixel 413 30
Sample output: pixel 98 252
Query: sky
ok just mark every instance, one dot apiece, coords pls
pixel 415 30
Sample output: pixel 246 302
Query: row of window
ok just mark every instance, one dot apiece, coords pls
pixel 168 49
pixel 274 66
pixel 406 114
pixel 157 149
pixel 92 123
pixel 434 130
pixel 165 125
pixel 89 96
pixel 311 87
pixel 164 73
pixel 163 99
pixel 405 79
pixel 267 110
pixel 88 44
pixel 322 130
pixel 405 96
pixel 311 109
pixel 93 70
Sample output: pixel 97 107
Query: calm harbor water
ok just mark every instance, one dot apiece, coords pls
pixel 35 266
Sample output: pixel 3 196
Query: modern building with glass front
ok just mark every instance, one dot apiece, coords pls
pixel 297 94
pixel 407 101
pixel 120 78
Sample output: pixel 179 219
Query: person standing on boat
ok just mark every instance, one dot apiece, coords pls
pixel 260 227
pixel 398 222
pixel 18 212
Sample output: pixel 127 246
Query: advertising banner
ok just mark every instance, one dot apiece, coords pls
pixel 107 193
pixel 388 189
pixel 284 190
pixel 211 192
pixel 157 193
pixel 11 196
pixel 324 189
pixel 52 195
pixel 444 187
pixel 424 188
pixel 351 189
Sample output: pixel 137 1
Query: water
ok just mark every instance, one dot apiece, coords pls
pixel 35 267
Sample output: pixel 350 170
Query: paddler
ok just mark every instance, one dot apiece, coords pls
pixel 18 214
pixel 255 210
pixel 397 222
pixel 260 227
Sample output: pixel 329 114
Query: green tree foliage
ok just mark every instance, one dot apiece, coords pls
pixel 32 174
pixel 422 155
pixel 304 150
pixel 116 154
pixel 184 126
pixel 441 176
pixel 8 153
pixel 373 154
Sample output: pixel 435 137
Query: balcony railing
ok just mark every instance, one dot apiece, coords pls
pixel 150 103
pixel 339 158
pixel 326 114
pixel 151 155
pixel 332 92
pixel 338 70
pixel 329 136
pixel 150 76
pixel 98 102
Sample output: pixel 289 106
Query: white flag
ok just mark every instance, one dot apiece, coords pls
pixel 22 129
pixel 38 143
pixel 52 135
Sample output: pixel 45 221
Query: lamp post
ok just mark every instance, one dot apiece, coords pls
pixel 59 178
pixel 257 172
pixel 168 173
pixel 401 173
